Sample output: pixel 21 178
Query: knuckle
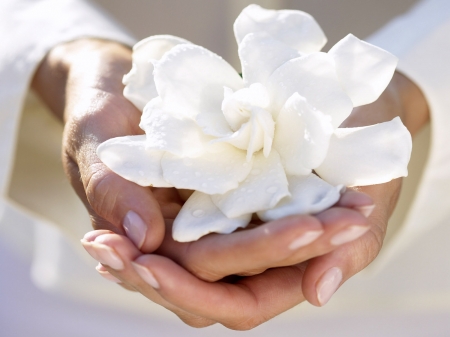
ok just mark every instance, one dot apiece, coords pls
pixel 100 195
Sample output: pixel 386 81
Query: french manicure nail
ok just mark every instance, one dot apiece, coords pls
pixel 135 228
pixel 305 239
pixel 92 235
pixel 146 275
pixel 349 234
pixel 105 274
pixel 103 254
pixel 365 210
pixel 328 284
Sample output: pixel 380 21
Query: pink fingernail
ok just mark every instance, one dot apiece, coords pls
pixel 328 284
pixel 135 228
pixel 106 274
pixel 365 210
pixel 305 239
pixel 103 254
pixel 349 234
pixel 92 235
pixel 146 275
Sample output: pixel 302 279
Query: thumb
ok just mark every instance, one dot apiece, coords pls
pixel 118 205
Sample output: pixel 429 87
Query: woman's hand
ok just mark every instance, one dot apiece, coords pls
pixel 81 82
pixel 198 281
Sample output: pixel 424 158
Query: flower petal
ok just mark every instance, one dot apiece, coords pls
pixel 314 77
pixel 260 55
pixel 297 29
pixel 166 132
pixel 367 155
pixel 139 84
pixel 302 135
pixel 240 138
pixel 309 195
pixel 200 216
pixel 264 187
pixel 218 169
pixel 128 157
pixel 190 80
pixel 363 69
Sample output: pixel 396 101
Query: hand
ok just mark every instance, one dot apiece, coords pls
pixel 326 273
pixel 238 303
pixel 81 83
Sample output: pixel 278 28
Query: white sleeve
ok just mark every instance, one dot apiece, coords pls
pixel 421 40
pixel 28 30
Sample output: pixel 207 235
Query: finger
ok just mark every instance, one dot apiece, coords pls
pixel 239 306
pixel 357 200
pixel 325 274
pixel 283 242
pixel 107 248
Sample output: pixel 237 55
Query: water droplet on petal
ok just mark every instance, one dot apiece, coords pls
pixel 198 213
pixel 272 189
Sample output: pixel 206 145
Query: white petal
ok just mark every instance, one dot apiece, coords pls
pixel 264 187
pixel 309 195
pixel 367 155
pixel 199 216
pixel 190 80
pixel 237 106
pixel 297 29
pixel 314 77
pixel 363 69
pixel 260 55
pixel 139 84
pixel 240 138
pixel 165 132
pixel 128 157
pixel 302 135
pixel 217 170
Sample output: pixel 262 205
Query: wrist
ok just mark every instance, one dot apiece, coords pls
pixel 402 98
pixel 78 65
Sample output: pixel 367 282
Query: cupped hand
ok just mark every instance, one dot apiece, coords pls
pixel 81 81
pixel 274 253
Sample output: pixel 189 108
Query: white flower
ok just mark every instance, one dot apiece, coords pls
pixel 249 145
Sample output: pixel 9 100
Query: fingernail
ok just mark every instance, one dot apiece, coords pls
pixel 146 275
pixel 135 228
pixel 365 210
pixel 103 254
pixel 328 284
pixel 92 235
pixel 105 274
pixel 349 234
pixel 305 239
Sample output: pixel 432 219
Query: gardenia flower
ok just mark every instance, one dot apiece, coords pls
pixel 250 145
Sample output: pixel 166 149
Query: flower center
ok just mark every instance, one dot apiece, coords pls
pixel 246 112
